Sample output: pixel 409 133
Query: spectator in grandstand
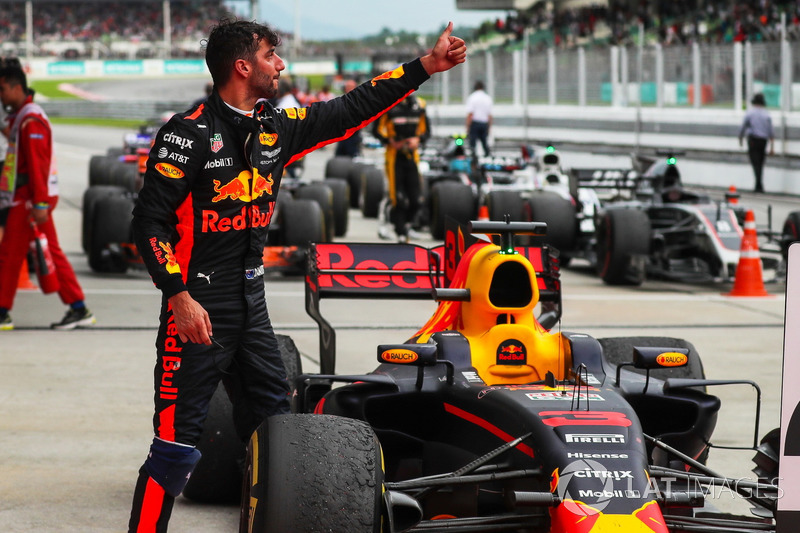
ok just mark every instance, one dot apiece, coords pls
pixel 479 118
pixel 29 187
pixel 757 127
pixel 350 147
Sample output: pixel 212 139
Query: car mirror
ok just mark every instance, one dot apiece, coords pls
pixel 653 357
pixel 408 354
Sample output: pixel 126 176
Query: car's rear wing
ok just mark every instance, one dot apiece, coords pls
pixel 605 181
pixel 404 271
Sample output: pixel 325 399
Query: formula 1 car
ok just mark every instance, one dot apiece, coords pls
pixel 647 224
pixel 486 419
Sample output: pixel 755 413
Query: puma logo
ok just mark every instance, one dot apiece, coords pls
pixel 207 277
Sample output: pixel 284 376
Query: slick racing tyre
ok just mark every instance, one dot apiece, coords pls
pixel 450 199
pixel 502 203
pixel 623 241
pixel 302 222
pixel 322 194
pixel 111 225
pixel 373 188
pixel 100 169
pixel 618 350
pixel 341 204
pixel 217 478
pixel 338 167
pixel 312 473
pixel 791 232
pixel 125 175
pixel 91 197
pixel 559 215
pixel 355 177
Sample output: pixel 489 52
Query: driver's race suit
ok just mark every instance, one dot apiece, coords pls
pixel 200 223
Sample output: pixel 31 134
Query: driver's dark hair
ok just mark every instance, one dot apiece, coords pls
pixel 11 70
pixel 231 40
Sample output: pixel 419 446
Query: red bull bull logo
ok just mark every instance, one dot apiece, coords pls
pixel 511 352
pixel 239 187
pixel 172 265
pixel 396 73
pixel 261 184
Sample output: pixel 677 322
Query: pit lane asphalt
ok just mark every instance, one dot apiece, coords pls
pixel 76 407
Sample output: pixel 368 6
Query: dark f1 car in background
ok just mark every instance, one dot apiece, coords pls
pixel 486 419
pixel 647 224
pixel 306 211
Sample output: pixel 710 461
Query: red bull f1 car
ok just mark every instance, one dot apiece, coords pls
pixel 489 418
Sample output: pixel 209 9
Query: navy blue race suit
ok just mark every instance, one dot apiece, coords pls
pixel 200 223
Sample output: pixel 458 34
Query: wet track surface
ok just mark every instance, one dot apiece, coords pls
pixel 75 407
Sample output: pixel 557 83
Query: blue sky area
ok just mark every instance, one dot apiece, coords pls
pixel 337 19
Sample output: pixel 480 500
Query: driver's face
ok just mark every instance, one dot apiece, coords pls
pixel 267 70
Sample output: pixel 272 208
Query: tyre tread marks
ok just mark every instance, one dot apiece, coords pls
pixel 328 469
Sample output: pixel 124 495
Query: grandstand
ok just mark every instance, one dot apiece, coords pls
pixel 102 29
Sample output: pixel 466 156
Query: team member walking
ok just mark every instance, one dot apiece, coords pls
pixel 201 224
pixel 29 187
pixel 402 129
pixel 479 118
pixel 757 127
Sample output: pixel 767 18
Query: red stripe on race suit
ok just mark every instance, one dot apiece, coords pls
pixel 347 133
pixel 151 507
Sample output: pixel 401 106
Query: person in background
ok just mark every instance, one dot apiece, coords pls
pixel 351 146
pixel 757 127
pixel 201 223
pixel 325 94
pixel 29 188
pixel 479 118
pixel 402 130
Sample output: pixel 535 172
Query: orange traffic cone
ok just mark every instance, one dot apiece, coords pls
pixel 749 279
pixel 732 196
pixel 483 213
pixel 25 283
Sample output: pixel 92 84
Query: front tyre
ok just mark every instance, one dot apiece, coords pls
pixel 623 241
pixel 312 473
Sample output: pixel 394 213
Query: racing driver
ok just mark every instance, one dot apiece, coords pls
pixel 201 222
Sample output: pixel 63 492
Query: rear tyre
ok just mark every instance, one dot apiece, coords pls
pixel 450 199
pixel 99 169
pixel 111 225
pixel 620 350
pixel 302 222
pixel 791 232
pixel 338 167
pixel 312 473
pixel 217 478
pixel 91 197
pixel 503 203
pixel 559 215
pixel 341 204
pixel 322 194
pixel 373 189
pixel 355 177
pixel 623 240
